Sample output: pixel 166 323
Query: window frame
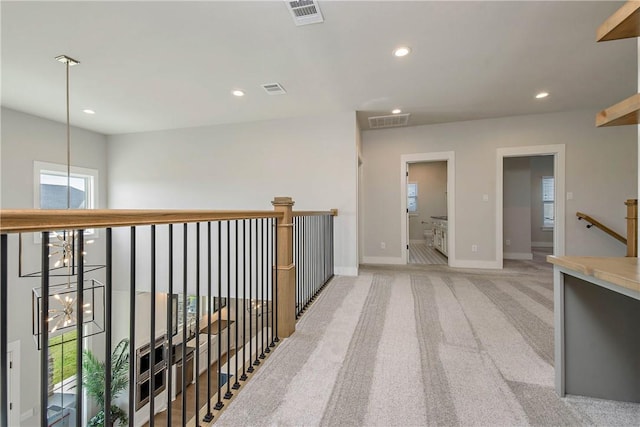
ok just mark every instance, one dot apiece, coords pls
pixel 91 175
pixel 548 224
pixel 415 197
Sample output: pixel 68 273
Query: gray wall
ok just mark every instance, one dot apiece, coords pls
pixel 540 166
pixel 244 166
pixel 517 208
pixel 432 195
pixel 27 138
pixel 601 170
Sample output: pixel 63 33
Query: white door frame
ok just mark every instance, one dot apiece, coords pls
pixel 405 160
pixel 558 153
pixel 14 379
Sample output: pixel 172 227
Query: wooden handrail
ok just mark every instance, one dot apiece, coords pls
pixel 601 226
pixel 35 220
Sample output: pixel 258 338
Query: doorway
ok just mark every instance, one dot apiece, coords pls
pixel 427 240
pixel 427 213
pixel 519 225
pixel 13 382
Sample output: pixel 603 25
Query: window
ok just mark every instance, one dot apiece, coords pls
pixel 412 197
pixel 51 187
pixel 548 198
pixel 63 351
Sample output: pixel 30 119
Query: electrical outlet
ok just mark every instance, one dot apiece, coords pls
pixel 474 248
pixel 507 242
pixel 383 245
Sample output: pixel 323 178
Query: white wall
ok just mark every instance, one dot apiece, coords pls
pixel 432 195
pixel 27 138
pixel 517 208
pixel 601 171
pixel 244 166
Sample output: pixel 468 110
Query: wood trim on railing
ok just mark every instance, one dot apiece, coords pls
pixel 332 212
pixel 601 226
pixel 34 220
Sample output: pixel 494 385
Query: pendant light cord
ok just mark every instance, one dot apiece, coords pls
pixel 68 145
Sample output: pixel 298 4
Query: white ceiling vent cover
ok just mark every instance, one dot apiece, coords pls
pixel 395 120
pixel 305 12
pixel 274 89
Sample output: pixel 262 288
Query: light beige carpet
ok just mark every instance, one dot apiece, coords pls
pixel 422 346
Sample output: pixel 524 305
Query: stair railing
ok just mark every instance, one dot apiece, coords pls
pixel 631 241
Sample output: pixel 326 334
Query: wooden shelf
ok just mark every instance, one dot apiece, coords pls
pixel 626 112
pixel 623 24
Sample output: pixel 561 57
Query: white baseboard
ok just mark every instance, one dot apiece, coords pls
pixel 542 244
pixel 518 255
pixel 345 271
pixel 487 265
pixel 382 260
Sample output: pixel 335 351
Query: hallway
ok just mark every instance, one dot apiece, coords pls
pixel 416 346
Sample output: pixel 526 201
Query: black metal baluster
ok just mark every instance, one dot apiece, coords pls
pixel 257 361
pixel 108 304
pixel 228 394
pixel 275 276
pixel 132 327
pixel 209 416
pixel 244 302
pixel 197 328
pixel 184 324
pixel 152 332
pixel 272 272
pixel 250 302
pixel 219 403
pixel 44 330
pixel 79 324
pixel 236 385
pixel 4 346
pixel 262 288
pixel 170 351
pixel 296 263
pixel 268 285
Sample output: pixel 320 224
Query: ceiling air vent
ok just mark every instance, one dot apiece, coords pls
pixel 379 122
pixel 305 12
pixel 274 89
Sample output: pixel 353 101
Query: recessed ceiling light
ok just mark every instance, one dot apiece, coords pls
pixel 396 111
pixel 402 51
pixel 88 111
pixel 237 92
pixel 542 95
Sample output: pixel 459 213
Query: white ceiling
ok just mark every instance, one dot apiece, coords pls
pixel 161 65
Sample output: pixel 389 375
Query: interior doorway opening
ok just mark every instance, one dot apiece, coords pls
pixel 528 207
pixel 428 208
pixel 557 208
pixel 427 214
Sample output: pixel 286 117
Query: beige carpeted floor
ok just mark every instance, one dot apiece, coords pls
pixel 422 346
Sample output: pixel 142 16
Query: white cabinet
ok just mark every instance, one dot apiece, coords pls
pixel 440 235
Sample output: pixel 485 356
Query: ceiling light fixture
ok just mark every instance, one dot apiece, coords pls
pixel 402 51
pixel 88 111
pixel 237 92
pixel 396 111
pixel 542 95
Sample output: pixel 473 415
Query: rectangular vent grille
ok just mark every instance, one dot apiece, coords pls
pixel 305 12
pixel 274 89
pixel 395 120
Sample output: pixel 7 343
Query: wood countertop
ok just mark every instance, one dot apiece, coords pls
pixel 621 271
